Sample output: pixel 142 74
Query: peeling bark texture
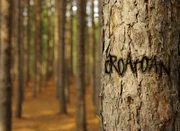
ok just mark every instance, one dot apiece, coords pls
pixel 5 55
pixel 140 79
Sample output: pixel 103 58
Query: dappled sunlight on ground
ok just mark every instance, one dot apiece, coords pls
pixel 41 113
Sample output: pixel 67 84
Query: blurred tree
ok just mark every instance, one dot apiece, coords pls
pixel 50 44
pixel 19 52
pixel 38 45
pixel 50 41
pixel 80 76
pixel 140 80
pixel 71 34
pixel 5 77
pixel 29 37
pixel 56 46
pixel 98 59
pixel 93 53
pixel 13 43
pixel 61 75
pixel 0 29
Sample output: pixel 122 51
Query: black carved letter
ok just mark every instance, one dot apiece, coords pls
pixel 121 67
pixel 144 64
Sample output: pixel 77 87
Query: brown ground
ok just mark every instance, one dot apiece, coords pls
pixel 41 113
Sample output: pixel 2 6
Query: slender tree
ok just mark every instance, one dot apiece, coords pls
pixel 56 46
pixel 19 51
pixel 140 78
pixel 93 75
pixel 49 68
pixel 5 78
pixel 71 35
pixel 61 80
pixel 0 28
pixel 80 76
pixel 48 62
pixel 29 37
pixel 38 46
pixel 98 60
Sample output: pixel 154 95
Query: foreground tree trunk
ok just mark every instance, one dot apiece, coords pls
pixel 140 78
pixel 80 76
pixel 5 78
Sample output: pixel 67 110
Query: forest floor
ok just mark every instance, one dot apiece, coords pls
pixel 41 113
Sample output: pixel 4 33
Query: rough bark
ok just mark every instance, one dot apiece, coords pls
pixel 61 80
pixel 19 51
pixel 80 75
pixel 5 78
pixel 140 79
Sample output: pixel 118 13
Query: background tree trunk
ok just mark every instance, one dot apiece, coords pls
pixel 50 43
pixel 38 46
pixel 19 51
pixel 80 76
pixel 29 37
pixel 98 60
pixel 56 47
pixel 93 52
pixel 5 58
pixel 71 37
pixel 140 80
pixel 61 80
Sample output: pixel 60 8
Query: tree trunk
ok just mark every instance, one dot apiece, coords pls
pixel 37 47
pixel 80 76
pixel 28 41
pixel 19 51
pixel 61 80
pixel 93 52
pixel 71 36
pixel 50 55
pixel 0 29
pixel 56 47
pixel 98 60
pixel 5 77
pixel 140 78
pixel 13 43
